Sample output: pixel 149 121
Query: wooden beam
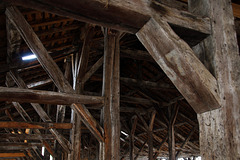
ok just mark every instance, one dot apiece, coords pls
pixel 94 68
pixel 160 147
pixel 111 86
pixel 186 140
pixel 178 61
pixel 26 117
pixel 11 145
pixel 27 136
pixel 83 60
pixel 12 155
pixel 172 112
pixel 45 97
pixel 43 115
pixel 146 84
pixel 140 150
pixel 50 66
pixel 35 125
pixel 221 127
pixel 131 139
pixel 150 136
pixel 123 15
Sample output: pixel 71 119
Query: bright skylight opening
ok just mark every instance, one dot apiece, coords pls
pixel 124 133
pixel 43 150
pixel 29 57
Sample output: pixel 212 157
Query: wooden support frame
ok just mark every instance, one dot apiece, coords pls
pixel 180 64
pixel 27 136
pixel 111 92
pixel 34 125
pixel 50 66
pixel 46 97
pixel 221 127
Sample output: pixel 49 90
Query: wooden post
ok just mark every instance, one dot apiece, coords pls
pixel 172 112
pixel 111 82
pixel 219 129
pixel 131 139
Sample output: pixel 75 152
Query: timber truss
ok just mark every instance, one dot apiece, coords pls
pixel 113 79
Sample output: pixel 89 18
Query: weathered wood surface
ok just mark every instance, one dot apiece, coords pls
pixel 219 129
pixel 41 112
pixel 27 136
pixel 45 97
pixel 131 139
pixel 51 67
pixel 172 112
pixel 12 155
pixel 35 125
pixel 111 92
pixel 186 140
pixel 124 15
pixel 183 68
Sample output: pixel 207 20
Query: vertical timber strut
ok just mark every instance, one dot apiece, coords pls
pixel 111 91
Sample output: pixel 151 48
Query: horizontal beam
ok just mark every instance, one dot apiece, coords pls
pixel 26 136
pixel 12 155
pixel 45 97
pixel 35 125
pixel 18 146
pixel 125 15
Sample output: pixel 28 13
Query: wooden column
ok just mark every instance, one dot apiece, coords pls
pixel 172 112
pixel 131 139
pixel 150 136
pixel 111 92
pixel 219 129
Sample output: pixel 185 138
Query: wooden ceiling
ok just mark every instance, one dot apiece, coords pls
pixel 144 87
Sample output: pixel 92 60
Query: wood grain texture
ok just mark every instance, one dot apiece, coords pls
pixel 46 97
pixel 34 125
pixel 219 129
pixel 51 67
pixel 125 15
pixel 180 64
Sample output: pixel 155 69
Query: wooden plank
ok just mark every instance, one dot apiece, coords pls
pixel 35 125
pixel 178 61
pixel 27 136
pixel 125 15
pixel 45 97
pixel 12 155
pixel 51 67
pixel 221 127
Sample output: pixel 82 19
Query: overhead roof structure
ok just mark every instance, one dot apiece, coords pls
pixel 111 79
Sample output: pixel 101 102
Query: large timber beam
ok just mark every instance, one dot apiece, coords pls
pixel 220 127
pixel 45 97
pixel 111 92
pixel 126 15
pixel 178 61
pixel 26 136
pixel 34 125
pixel 51 67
